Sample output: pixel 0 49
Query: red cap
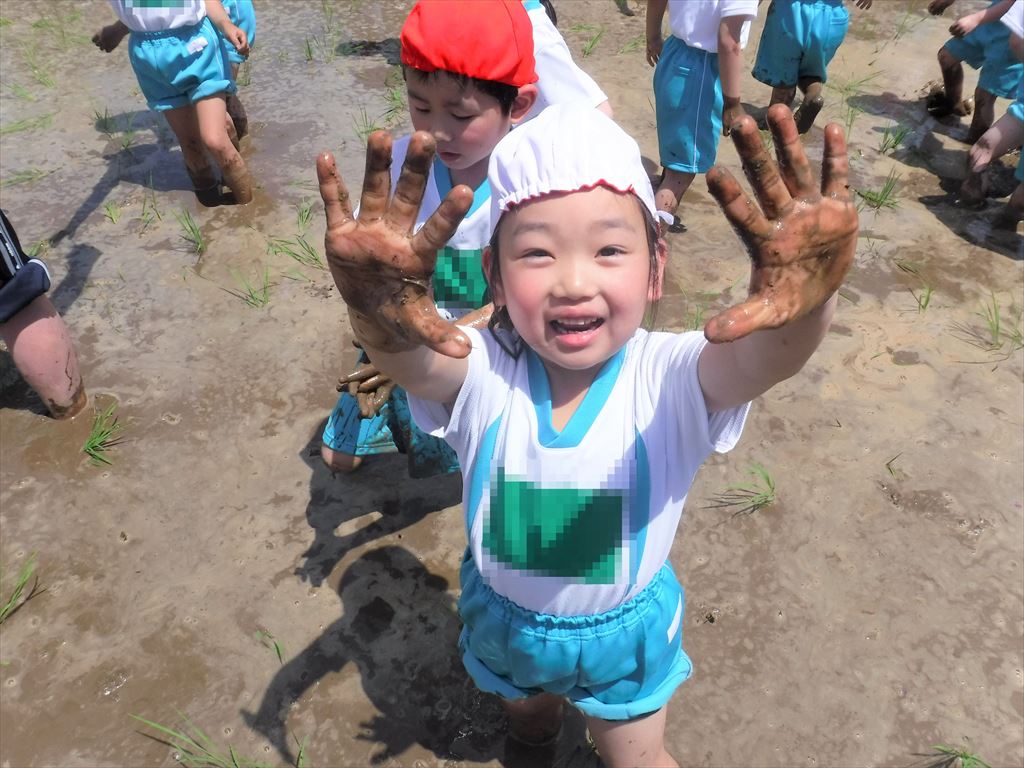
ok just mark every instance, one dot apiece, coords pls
pixel 485 39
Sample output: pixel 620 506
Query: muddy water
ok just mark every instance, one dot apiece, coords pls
pixel 873 610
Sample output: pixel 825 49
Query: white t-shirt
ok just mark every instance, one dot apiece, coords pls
pixel 158 15
pixel 1014 18
pixel 559 79
pixel 695 22
pixel 459 284
pixel 578 522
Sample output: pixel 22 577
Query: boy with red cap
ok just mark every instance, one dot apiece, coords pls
pixel 469 70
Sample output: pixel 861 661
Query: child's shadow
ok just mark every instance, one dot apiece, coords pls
pixel 381 484
pixel 400 628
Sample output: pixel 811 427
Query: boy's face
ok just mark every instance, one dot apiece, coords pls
pixel 466 123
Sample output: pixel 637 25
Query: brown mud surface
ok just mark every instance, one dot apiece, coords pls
pixel 874 610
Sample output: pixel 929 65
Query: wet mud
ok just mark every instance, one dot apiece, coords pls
pixel 874 609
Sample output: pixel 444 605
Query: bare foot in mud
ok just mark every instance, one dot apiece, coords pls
pixel 939 105
pixel 803 237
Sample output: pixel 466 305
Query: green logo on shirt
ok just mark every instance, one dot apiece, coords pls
pixel 459 278
pixel 567 532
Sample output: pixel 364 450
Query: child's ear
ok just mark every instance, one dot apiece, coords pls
pixel 658 279
pixel 524 102
pixel 497 292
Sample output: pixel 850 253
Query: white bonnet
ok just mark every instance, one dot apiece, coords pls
pixel 567 147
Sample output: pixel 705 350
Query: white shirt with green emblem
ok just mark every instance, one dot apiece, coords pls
pixel 578 522
pixel 158 15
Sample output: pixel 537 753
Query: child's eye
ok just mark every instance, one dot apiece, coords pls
pixel 611 250
pixel 420 110
pixel 463 117
pixel 535 253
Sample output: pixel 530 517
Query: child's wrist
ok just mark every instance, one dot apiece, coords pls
pixel 730 102
pixel 372 334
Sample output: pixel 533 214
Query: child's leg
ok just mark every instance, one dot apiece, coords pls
pixel 670 193
pixel 812 103
pixel 952 101
pixel 783 94
pixel 41 348
pixel 212 114
pixel 984 114
pixel 1014 209
pixel 632 742
pixel 185 123
pixel 238 123
pixel 338 461
pixel 536 720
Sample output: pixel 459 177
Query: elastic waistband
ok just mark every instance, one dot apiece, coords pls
pixel 179 32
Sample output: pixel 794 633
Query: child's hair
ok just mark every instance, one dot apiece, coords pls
pixel 504 93
pixel 500 320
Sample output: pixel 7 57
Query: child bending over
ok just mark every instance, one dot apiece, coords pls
pixel 579 432
pixel 183 72
pixel 799 39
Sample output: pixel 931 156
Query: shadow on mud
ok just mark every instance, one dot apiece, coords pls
pixel 390 48
pixel 399 627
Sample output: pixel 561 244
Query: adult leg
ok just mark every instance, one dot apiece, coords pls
pixel 812 103
pixel 184 121
pixel 632 743
pixel 670 193
pixel 212 114
pixel 41 347
pixel 984 114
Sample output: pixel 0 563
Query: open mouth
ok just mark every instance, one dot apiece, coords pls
pixel 576 324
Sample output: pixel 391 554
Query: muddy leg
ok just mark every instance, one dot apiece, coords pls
pixel 212 121
pixel 536 720
pixel 185 123
pixel 337 461
pixel 41 347
pixel 812 104
pixel 239 119
pixel 984 114
pixel 951 100
pixel 1014 211
pixel 632 742
pixel 670 192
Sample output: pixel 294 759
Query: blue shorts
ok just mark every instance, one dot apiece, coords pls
pixel 242 15
pixel 988 48
pixel 617 665
pixel 346 432
pixel 178 67
pixel 688 107
pixel 799 39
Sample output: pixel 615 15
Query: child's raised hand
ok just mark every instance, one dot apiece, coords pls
pixel 965 25
pixel 802 239
pixel 237 37
pixel 382 269
pixel 109 37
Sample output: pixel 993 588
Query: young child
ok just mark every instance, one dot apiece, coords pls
pixel 469 73
pixel 983 46
pixel 696 86
pixel 577 431
pixel 36 336
pixel 799 39
pixel 184 73
pixel 242 15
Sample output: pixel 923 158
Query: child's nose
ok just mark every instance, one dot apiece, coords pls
pixel 574 280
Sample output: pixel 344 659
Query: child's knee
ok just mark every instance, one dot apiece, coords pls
pixel 218 142
pixel 947 60
pixel 337 461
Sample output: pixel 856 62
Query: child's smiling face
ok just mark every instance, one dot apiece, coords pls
pixel 465 122
pixel 575 274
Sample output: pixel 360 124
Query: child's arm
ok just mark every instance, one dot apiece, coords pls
pixel 655 15
pixel 221 20
pixel 730 69
pixel 967 24
pixel 110 36
pixel 383 271
pixel 801 242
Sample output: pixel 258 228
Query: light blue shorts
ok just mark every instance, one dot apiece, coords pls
pixel 688 107
pixel 242 15
pixel 799 39
pixel 988 48
pixel 177 67
pixel 618 665
pixel 346 432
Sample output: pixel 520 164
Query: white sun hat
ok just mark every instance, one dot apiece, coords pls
pixel 566 148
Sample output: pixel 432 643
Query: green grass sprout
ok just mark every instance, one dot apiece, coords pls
pixel 28 124
pixel 966 758
pixel 269 641
pixel 305 215
pixel 749 498
pixel 18 598
pixel 112 210
pixel 883 198
pixel 591 44
pixel 190 232
pixel 104 435
pixel 195 749
pixel 255 295
pixel 892 137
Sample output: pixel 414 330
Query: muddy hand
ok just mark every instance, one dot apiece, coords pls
pixel 382 270
pixel 801 240
pixel 369 387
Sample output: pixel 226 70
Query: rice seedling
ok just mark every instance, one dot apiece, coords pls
pixel 255 295
pixel 128 137
pixel 5 22
pixel 591 44
pixel 394 96
pixel 28 124
pixel 364 125
pixel 581 29
pixel 910 267
pixel 19 91
pixel 269 641
pixel 993 317
pixel 18 598
pixel 883 198
pixel 850 117
pixel 190 232
pixel 39 70
pixel 892 137
pixel 693 320
pixel 112 210
pixel 923 296
pixel 38 249
pixel 104 123
pixel 749 498
pixel 104 435
pixel 851 88
pixel 305 214
pixel 309 50
pixel 298 249
pixel 966 758
pixel 150 212
pixel 194 749
pixel 896 472
pixel 908 21
pixel 635 43
pixel 28 176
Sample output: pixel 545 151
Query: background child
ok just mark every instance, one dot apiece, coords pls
pixel 696 86
pixel 983 46
pixel 469 72
pixel 242 15
pixel 36 336
pixel 184 73
pixel 578 432
pixel 799 39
